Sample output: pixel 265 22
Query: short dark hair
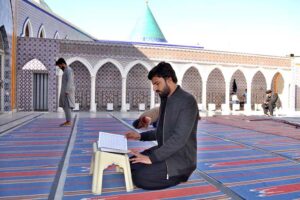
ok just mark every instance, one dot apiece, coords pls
pixel 60 61
pixel 163 70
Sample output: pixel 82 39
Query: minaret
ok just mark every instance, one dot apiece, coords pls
pixel 147 29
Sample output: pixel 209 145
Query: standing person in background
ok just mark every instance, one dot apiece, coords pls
pixel 67 92
pixel 245 96
pixel 174 158
pixel 266 104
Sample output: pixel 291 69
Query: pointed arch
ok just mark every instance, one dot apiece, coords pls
pixel 83 61
pixel 108 86
pixel 101 63
pixel 277 83
pixel 134 63
pixel 33 89
pixel 27 29
pixel 138 88
pixel 240 84
pixel 192 82
pixel 258 88
pixel 215 88
pixel 82 79
pixel 56 35
pixel 34 64
pixel 41 32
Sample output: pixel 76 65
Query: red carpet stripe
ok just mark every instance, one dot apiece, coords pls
pixel 23 173
pixel 179 192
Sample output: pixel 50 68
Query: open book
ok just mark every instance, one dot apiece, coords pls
pixel 110 142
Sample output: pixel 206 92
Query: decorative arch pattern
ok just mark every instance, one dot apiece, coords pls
pixel 27 29
pixel 41 32
pixel 108 87
pixel 56 35
pixel 192 83
pixel 34 64
pixel 6 72
pixel 25 96
pixel 82 81
pixel 258 88
pixel 277 84
pixel 241 84
pixel 138 87
pixel 216 88
pixel 1 71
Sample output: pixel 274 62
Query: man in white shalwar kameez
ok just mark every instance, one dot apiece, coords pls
pixel 67 92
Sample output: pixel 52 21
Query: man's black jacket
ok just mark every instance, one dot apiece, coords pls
pixel 178 134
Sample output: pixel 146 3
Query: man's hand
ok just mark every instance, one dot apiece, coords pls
pixel 133 135
pixel 144 122
pixel 140 158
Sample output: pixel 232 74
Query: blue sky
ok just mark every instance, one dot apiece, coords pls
pixel 269 27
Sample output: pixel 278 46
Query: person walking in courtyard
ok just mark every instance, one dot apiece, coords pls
pixel 67 92
pixel 174 158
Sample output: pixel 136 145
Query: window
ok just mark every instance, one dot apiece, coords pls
pixel 27 29
pixel 42 32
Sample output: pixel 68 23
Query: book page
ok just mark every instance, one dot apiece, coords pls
pixel 110 142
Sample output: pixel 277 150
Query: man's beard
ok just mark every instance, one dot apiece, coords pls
pixel 165 92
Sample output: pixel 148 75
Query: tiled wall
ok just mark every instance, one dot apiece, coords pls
pixel 46 51
pixel 6 30
pixel 38 17
pixel 108 78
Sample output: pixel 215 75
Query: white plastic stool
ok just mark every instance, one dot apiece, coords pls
pixel 101 160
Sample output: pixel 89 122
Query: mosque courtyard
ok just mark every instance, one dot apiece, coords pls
pixel 239 157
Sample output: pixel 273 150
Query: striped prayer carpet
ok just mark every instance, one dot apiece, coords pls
pixel 249 161
pixel 78 182
pixel 257 123
pixel 253 164
pixel 29 158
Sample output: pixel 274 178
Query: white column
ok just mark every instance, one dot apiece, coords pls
pixel 292 92
pixel 152 96
pixel 123 107
pixel 93 91
pixel 269 83
pixel 292 97
pixel 204 103
pixel 247 107
pixel 227 96
pixel 59 80
pixel 285 100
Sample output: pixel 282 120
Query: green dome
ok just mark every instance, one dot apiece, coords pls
pixel 147 29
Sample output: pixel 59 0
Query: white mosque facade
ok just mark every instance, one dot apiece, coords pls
pixel 113 74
